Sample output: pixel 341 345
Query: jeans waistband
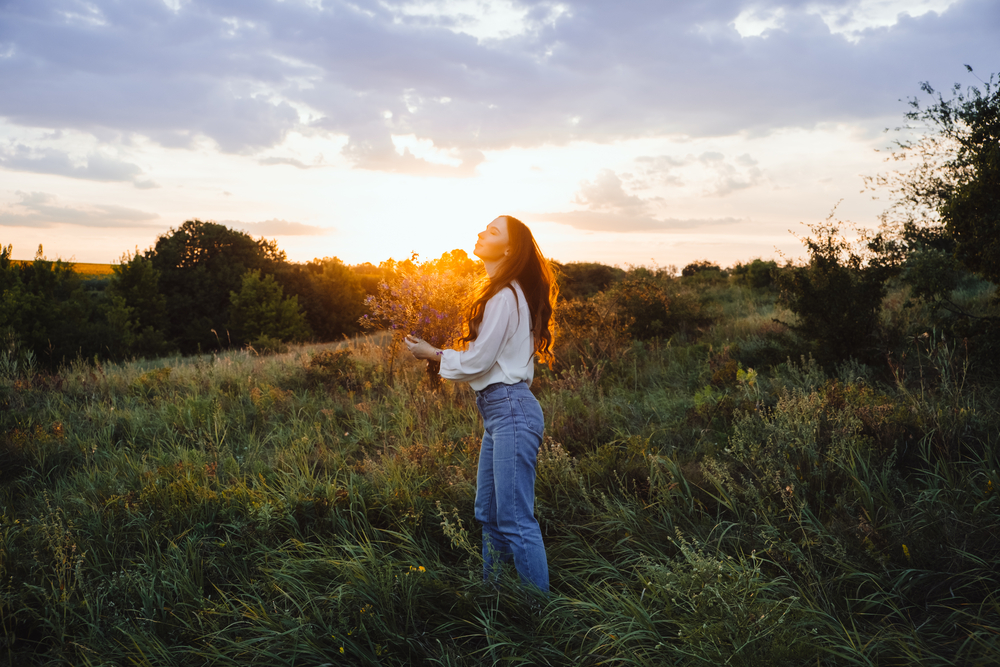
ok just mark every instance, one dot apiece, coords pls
pixel 490 388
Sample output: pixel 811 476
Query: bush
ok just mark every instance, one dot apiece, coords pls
pixel 703 265
pixel 589 332
pixel 582 280
pixel 837 296
pixel 757 274
pixel 642 304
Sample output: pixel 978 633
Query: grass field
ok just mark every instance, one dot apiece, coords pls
pixel 315 508
pixel 85 269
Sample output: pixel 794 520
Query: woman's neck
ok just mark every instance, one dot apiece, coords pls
pixel 493 267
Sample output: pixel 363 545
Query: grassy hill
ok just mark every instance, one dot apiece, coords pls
pixel 704 501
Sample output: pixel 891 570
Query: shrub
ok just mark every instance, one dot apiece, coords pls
pixel 837 295
pixel 589 332
pixel 333 368
pixel 582 280
pixel 702 265
pixel 641 301
pixel 757 274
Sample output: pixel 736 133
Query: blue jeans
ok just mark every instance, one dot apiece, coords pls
pixel 505 486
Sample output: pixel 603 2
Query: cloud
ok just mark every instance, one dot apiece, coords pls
pixel 247 74
pixel 378 153
pixel 721 176
pixel 96 167
pixel 40 210
pixel 275 227
pixel 298 164
pixel 610 209
pixel 600 221
pixel 606 193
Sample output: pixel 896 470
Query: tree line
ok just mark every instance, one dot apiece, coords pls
pixel 200 287
pixel 203 287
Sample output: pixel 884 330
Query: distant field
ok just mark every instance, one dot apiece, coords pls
pixel 83 268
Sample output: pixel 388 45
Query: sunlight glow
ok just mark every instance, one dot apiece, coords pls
pixel 424 149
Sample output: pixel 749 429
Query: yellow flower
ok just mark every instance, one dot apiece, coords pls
pixel 341 649
pixel 906 552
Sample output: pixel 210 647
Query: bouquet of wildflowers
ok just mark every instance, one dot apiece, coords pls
pixel 426 299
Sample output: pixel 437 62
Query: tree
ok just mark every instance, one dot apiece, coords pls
pixel 260 310
pixel 329 292
pixel 954 182
pixel 200 264
pixel 137 309
pixel 44 305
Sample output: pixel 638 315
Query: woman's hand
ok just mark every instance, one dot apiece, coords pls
pixel 421 349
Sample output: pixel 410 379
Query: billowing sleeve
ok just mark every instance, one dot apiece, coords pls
pixel 482 353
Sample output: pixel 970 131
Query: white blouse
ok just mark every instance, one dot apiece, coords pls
pixel 504 350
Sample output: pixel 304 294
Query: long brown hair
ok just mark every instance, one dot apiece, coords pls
pixel 531 270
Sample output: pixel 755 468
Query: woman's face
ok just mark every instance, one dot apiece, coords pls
pixel 493 241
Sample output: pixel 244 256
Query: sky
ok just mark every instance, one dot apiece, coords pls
pixel 627 132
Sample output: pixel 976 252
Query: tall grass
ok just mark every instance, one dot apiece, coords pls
pixel 300 509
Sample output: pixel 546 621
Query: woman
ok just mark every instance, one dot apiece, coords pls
pixel 508 326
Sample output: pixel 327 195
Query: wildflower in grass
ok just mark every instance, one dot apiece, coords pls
pixel 906 552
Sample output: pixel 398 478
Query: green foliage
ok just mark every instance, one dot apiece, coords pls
pixel 15 360
pixel 582 280
pixel 952 186
pixel 837 296
pixel 329 292
pixel 261 312
pixel 641 300
pixel 694 269
pixel 46 306
pixel 970 207
pixel 758 273
pixel 137 311
pixel 336 368
pixel 589 333
pixel 199 265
